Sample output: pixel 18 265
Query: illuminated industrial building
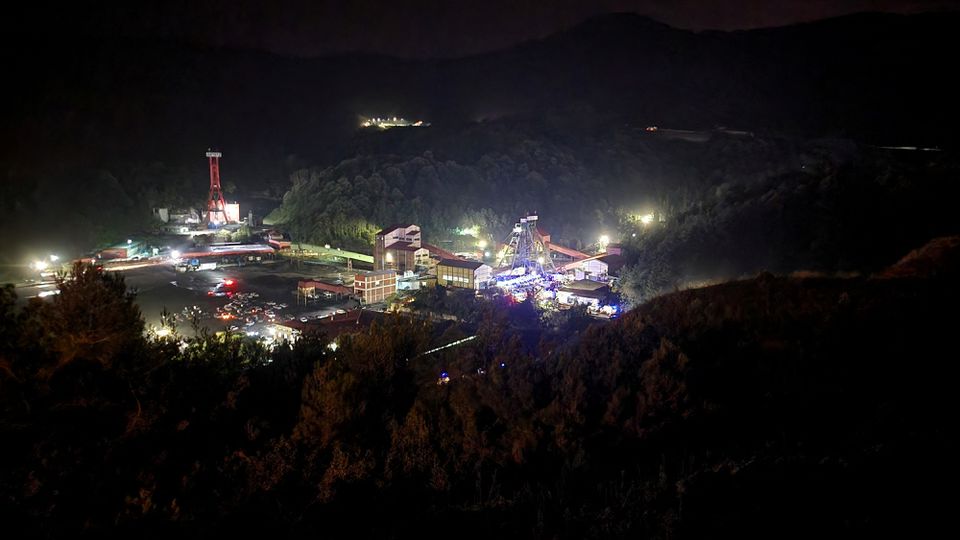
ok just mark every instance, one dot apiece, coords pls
pixel 398 248
pixel 463 274
pixel 592 293
pixel 374 287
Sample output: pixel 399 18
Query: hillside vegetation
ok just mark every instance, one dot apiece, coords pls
pixel 771 406
pixel 727 207
pixel 80 111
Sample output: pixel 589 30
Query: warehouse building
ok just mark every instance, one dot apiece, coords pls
pixel 464 274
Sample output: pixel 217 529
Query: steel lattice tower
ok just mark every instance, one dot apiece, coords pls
pixel 216 205
pixel 526 249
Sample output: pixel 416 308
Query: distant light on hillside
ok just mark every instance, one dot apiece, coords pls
pixel 391 122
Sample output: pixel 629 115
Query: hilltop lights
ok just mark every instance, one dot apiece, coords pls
pixel 646 219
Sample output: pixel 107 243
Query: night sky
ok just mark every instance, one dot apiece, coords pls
pixel 410 28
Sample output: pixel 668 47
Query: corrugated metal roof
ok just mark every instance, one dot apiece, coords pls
pixel 460 263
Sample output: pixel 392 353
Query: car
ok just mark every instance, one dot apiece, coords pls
pixel 341 311
pixel 304 319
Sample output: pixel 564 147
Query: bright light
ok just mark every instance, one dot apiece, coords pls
pixel 44 294
pixel 389 257
pixel 228 282
pixel 470 231
pixel 482 244
pixel 54 258
pixel 646 219
pixel 539 260
pixel 39 265
pixel 332 346
pixel 175 254
pixel 486 253
pixel 129 241
pixel 604 239
pixel 163 332
pixel 326 246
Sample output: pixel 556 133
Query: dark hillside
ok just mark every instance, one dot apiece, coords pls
pixel 772 406
pixel 143 112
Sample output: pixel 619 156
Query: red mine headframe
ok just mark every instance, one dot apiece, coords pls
pixel 216 206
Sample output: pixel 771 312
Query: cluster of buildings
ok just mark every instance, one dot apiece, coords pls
pixel 402 261
pixel 183 221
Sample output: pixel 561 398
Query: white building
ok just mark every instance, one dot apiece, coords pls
pixel 585 291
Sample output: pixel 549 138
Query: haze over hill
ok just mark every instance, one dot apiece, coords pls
pixel 132 118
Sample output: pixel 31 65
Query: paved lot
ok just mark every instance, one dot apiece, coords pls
pixel 160 287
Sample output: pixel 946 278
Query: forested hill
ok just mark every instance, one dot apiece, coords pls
pixel 728 206
pixel 876 76
pixel 768 407
pixel 133 118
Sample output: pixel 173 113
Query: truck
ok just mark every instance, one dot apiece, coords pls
pixel 195 265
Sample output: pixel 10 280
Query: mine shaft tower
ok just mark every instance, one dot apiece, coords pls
pixel 526 248
pixel 216 205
